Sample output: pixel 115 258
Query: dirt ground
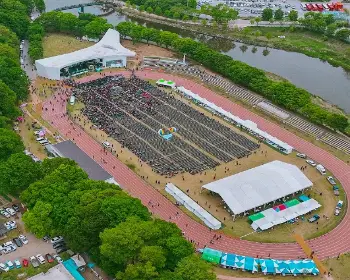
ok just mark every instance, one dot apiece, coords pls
pixel 213 204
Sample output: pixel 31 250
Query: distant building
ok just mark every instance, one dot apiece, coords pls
pixel 107 53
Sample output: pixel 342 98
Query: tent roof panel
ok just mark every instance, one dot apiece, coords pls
pixel 260 185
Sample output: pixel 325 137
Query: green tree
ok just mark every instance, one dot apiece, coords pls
pixel 8 37
pixel 293 15
pixel 222 13
pixel 193 268
pixel 331 29
pixel 185 17
pixel 50 165
pixel 252 21
pixel 97 27
pixel 279 14
pixel 138 271
pixel 149 34
pixel 343 34
pixel 158 11
pixel 167 38
pixel 257 20
pixel 37 220
pixel 267 14
pixel 176 15
pixel 40 5
pixel 142 8
pixel 192 4
pixel 17 173
pixel 8 99
pixel 204 22
pixel 10 143
pixel 337 121
pixel 149 10
pixel 271 21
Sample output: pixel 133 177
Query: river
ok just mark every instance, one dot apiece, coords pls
pixel 316 76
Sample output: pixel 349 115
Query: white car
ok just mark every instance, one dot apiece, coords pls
pixel 301 155
pixel 5 213
pixel 11 211
pixel 331 180
pixel 3 267
pixel 40 258
pixel 10 225
pixel 56 239
pixel 106 144
pixel 57 258
pixel 24 239
pixel 311 162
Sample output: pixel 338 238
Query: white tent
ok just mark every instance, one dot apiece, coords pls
pixel 245 123
pixel 191 205
pixel 260 185
pixel 108 50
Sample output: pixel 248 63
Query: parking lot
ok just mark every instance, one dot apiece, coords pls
pixel 35 246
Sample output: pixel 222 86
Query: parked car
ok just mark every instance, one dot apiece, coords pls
pixel 16 207
pixel 18 242
pixel 311 162
pixel 3 267
pixel 58 244
pixel 46 238
pixel 106 144
pixel 35 263
pixel 61 250
pixel 56 239
pixel 314 218
pixel 301 155
pixel 10 265
pixel 336 190
pixel 321 169
pixel 25 262
pixel 11 211
pixel 4 213
pixel 331 180
pixel 10 225
pixel 17 264
pixel 40 258
pixel 58 258
pixel 49 258
pixel 24 239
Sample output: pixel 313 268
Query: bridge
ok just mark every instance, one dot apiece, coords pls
pixel 85 5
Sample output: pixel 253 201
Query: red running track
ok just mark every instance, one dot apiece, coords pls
pixel 328 245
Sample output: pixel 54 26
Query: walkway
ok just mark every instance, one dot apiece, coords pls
pixel 329 245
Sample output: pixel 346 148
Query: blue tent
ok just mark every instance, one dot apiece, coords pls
pixel 267 266
pixel 239 262
pixel 228 260
pixel 251 264
pixel 283 267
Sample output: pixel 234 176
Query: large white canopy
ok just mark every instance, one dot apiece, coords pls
pixel 260 185
pixel 191 205
pixel 108 47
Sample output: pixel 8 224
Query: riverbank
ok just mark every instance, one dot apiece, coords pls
pixel 295 39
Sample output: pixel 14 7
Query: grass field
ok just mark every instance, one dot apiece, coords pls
pixel 56 44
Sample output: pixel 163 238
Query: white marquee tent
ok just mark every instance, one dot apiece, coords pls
pixel 108 49
pixel 191 205
pixel 245 123
pixel 260 185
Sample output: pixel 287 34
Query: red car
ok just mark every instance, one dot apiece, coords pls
pixel 49 258
pixel 25 262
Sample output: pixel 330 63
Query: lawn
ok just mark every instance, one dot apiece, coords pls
pixel 339 268
pixel 56 44
pixel 28 271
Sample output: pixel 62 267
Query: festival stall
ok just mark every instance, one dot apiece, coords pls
pixel 192 206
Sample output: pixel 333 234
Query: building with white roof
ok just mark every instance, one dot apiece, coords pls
pixel 58 272
pixel 108 52
pixel 259 186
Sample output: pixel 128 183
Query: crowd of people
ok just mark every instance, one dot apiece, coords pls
pixel 132 111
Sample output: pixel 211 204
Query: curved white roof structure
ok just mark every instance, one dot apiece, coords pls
pixel 260 185
pixel 108 48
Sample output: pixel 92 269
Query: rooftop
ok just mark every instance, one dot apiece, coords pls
pixel 58 272
pixel 68 149
pixel 260 185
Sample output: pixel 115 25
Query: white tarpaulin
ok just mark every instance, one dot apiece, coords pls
pixel 191 205
pixel 272 217
pixel 245 123
pixel 260 185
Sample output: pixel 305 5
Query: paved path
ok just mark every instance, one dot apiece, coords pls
pixel 329 245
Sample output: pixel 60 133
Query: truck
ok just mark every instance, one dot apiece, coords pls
pixel 314 218
pixel 34 261
pixel 338 207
